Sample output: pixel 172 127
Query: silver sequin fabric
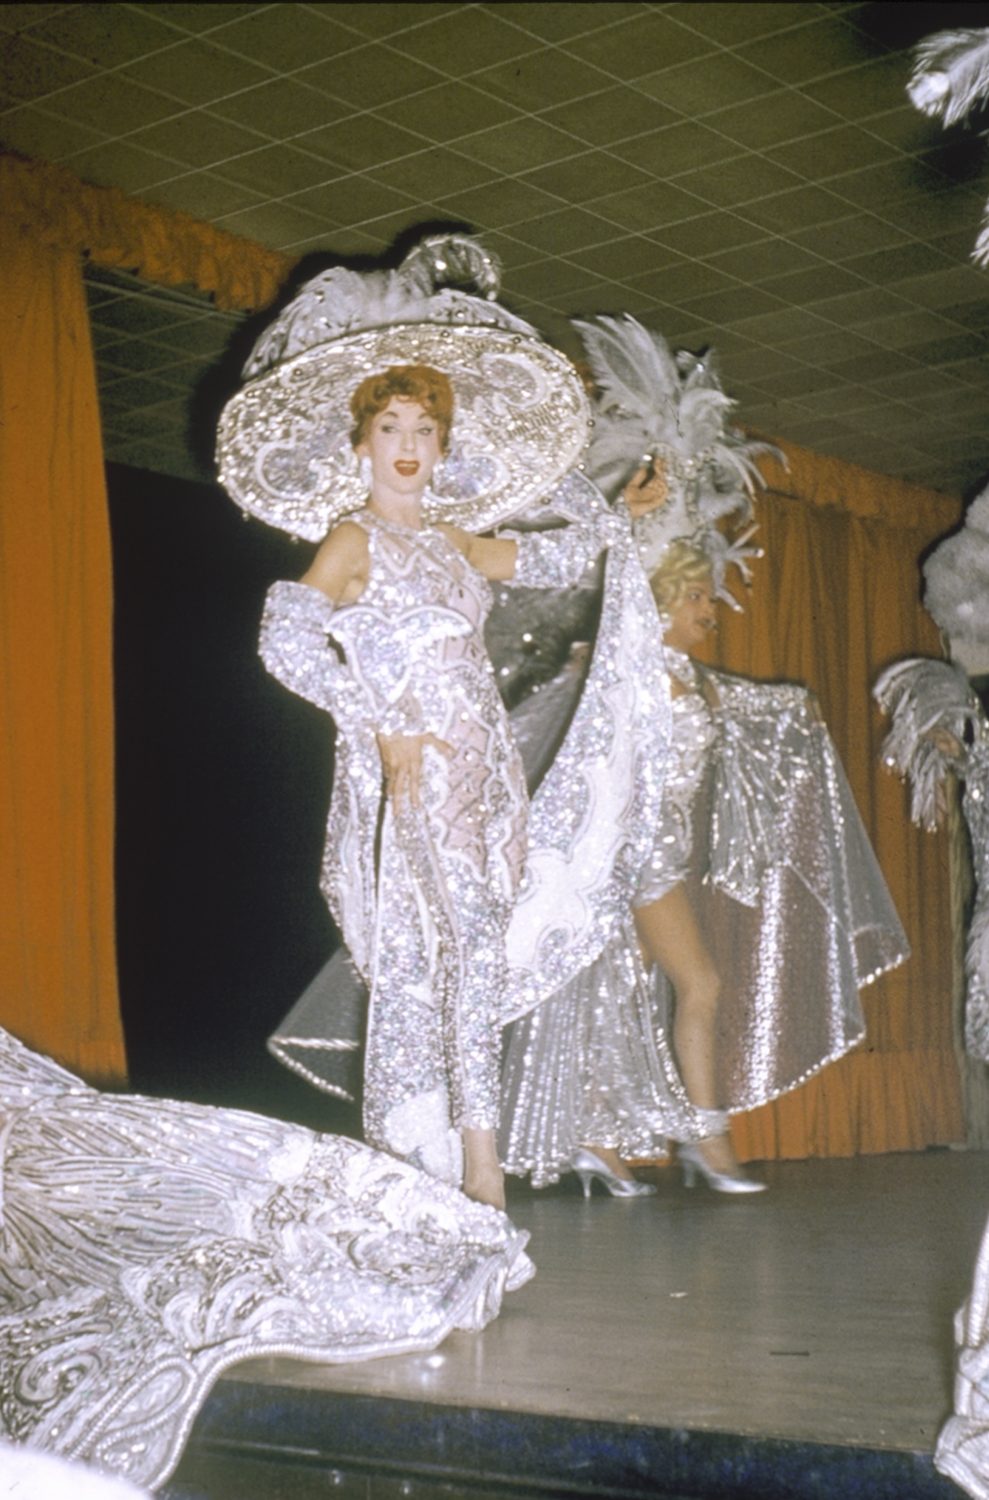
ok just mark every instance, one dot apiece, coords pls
pixel 424 901
pixel 147 1245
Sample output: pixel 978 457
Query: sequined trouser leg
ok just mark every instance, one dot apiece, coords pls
pixel 434 1027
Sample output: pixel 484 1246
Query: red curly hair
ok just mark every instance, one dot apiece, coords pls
pixel 420 383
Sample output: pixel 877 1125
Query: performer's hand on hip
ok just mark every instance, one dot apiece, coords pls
pixel 401 761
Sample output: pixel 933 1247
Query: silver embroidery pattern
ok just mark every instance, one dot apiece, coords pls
pixel 148 1245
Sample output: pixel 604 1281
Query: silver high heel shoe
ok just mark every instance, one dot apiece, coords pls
pixel 692 1161
pixel 588 1166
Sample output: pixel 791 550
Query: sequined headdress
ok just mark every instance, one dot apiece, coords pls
pixel 521 418
pixel 657 406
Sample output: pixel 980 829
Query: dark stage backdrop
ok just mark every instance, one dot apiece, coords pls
pixel 223 781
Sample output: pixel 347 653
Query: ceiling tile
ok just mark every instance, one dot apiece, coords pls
pixel 34 132
pixel 28 70
pixel 552 276
pixel 123 165
pixel 557 20
pixel 278 170
pixel 281 109
pixel 369 141
pixel 451 110
pixel 653 205
pixel 708 234
pixel 195 72
pixel 905 128
pixel 899 330
pixel 614 114
pixel 786 327
pixel 697 88
pixel 897 262
pixel 276 224
pixel 733 23
pixel 465 39
pixel 682 282
pixel 287 36
pixel 499 204
pixel 848 237
pixel 572 227
pixel 732 305
pixel 198 17
pixel 677 149
pixel 872 366
pixel 728 184
pixel 796 383
pixel 350 200
pixel 387 20
pixel 195 139
pixel 876 87
pixel 541 79
pixel 814 284
pixel 587 176
pixel 763 260
pixel 797 210
pixel 874 187
pixel 372 76
pixel 202 193
pixel 519 145
pixel 433 174
pixel 104 35
pixel 832 152
pixel 852 308
pixel 806 52
pixel 944 288
pixel 829 347
pixel 111 103
pixel 783 115
pixel 627 258
pixel 15 18
pixel 638 45
pixel 846 398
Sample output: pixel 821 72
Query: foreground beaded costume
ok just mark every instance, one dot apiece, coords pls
pixel 424 898
pixel 758 819
pixel 148 1245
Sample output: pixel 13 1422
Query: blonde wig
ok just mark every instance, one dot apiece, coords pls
pixel 682 566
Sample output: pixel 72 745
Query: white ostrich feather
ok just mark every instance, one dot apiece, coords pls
pixel 932 708
pixel 956 577
pixel 951 78
pixel 951 73
pixel 653 403
pixel 427 287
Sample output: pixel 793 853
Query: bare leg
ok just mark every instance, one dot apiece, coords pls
pixel 670 937
pixel 484 1181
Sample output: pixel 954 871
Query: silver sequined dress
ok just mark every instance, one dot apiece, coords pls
pixel 147 1245
pixel 423 898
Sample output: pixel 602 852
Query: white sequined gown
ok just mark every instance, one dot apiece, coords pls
pixel 147 1245
pixel 446 873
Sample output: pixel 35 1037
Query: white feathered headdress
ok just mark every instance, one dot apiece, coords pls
pixel 951 77
pixel 956 576
pixel 654 404
pixel 933 710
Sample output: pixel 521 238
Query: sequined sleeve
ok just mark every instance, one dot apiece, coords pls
pixel 295 648
pixel 560 558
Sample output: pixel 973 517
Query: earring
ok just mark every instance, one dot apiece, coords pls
pixel 665 620
pixel 365 471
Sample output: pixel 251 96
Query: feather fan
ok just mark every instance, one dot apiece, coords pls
pixel 950 79
pixel 933 709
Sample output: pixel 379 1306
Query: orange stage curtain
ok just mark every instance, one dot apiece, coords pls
pixel 57 962
pixel 835 599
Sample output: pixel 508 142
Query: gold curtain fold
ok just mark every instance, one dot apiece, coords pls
pixel 834 599
pixel 58 987
pixel 160 244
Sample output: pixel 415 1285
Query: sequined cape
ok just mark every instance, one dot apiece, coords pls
pixel 788 891
pixel 795 912
pixel 962 1450
pixel 147 1245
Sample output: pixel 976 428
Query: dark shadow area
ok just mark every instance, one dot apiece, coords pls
pixel 223 782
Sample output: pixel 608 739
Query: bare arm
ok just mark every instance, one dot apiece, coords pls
pixel 493 556
pixel 340 567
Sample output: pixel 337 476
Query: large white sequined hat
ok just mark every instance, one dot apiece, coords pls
pixel 521 417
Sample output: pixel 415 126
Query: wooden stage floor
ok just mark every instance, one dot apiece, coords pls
pixel 819 1312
